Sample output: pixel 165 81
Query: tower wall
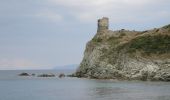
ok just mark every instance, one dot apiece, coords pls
pixel 103 24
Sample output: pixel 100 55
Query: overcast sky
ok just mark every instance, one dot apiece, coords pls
pixel 42 34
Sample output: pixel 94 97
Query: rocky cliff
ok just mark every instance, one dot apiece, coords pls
pixel 127 55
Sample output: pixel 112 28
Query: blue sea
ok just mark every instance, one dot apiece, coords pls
pixel 14 87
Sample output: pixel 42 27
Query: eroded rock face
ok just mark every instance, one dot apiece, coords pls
pixel 128 55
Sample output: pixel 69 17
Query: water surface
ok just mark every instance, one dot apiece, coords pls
pixel 13 87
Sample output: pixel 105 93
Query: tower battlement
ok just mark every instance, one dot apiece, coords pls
pixel 103 24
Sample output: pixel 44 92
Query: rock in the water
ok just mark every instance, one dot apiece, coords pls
pixel 46 75
pixel 24 74
pixel 33 74
pixel 127 55
pixel 61 75
pixel 71 75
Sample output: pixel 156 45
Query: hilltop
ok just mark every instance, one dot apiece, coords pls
pixel 127 55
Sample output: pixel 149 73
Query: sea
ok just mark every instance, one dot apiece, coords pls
pixel 14 87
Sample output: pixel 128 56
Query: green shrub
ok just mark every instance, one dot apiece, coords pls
pixel 151 44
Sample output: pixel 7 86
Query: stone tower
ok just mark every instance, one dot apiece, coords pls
pixel 103 24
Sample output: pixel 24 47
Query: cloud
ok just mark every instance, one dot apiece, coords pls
pixel 49 15
pixel 23 28
pixel 118 10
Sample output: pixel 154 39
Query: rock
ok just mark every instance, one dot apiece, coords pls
pixel 33 74
pixel 127 55
pixel 61 75
pixel 71 75
pixel 46 75
pixel 24 74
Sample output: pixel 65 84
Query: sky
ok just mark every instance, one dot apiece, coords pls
pixel 43 34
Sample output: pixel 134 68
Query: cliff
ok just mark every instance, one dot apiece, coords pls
pixel 127 55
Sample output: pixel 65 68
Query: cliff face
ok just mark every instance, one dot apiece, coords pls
pixel 127 55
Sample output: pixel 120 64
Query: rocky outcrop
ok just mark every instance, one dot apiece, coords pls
pixel 127 55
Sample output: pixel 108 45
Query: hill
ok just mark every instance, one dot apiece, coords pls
pixel 127 55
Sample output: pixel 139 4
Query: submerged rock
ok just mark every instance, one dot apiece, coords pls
pixel 127 55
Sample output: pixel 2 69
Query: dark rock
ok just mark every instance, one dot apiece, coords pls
pixel 24 74
pixel 46 75
pixel 33 74
pixel 61 75
pixel 71 75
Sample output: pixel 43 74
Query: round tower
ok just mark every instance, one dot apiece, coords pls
pixel 103 24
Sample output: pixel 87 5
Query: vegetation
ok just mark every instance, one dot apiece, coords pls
pixel 122 34
pixel 113 40
pixel 167 26
pixel 151 44
pixel 97 40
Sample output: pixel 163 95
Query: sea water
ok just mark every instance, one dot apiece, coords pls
pixel 14 87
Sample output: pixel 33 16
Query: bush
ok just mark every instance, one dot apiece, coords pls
pixel 151 44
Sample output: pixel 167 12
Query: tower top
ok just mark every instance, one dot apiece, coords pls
pixel 103 24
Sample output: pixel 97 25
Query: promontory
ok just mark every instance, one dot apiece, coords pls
pixel 127 55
